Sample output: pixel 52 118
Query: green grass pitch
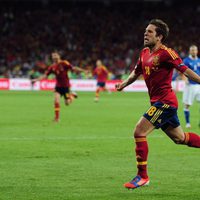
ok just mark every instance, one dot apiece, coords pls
pixel 89 154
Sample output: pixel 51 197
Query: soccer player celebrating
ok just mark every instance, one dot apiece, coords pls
pixel 101 74
pixel 192 89
pixel 156 63
pixel 60 68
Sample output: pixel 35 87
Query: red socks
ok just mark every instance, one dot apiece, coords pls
pixel 192 140
pixel 141 155
pixel 57 111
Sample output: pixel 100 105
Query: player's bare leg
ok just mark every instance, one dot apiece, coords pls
pixel 68 102
pixel 57 106
pixel 187 115
pixel 96 99
pixel 175 134
pixel 142 129
pixel 69 98
pixel 179 137
pixel 74 95
pixel 105 89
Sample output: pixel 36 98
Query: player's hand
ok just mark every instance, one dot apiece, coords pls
pixel 118 87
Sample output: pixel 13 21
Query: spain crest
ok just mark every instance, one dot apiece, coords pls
pixel 156 61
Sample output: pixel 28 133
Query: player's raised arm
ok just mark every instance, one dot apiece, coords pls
pixel 44 76
pixel 78 69
pixel 132 78
pixel 71 67
pixel 192 75
pixel 39 78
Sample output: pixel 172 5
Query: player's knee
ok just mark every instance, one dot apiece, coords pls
pixel 179 140
pixel 138 131
pixel 56 101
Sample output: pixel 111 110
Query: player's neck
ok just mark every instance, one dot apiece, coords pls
pixel 155 47
pixel 57 61
pixel 193 57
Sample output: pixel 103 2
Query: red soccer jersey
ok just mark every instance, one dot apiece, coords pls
pixel 102 73
pixel 157 69
pixel 61 72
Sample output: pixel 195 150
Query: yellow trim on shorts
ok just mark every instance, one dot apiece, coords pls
pixel 158 113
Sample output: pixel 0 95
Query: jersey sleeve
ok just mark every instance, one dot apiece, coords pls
pixel 175 61
pixel 67 64
pixel 49 70
pixel 105 70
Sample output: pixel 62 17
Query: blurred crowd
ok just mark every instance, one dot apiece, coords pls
pixel 85 32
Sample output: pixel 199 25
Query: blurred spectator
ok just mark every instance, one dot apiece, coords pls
pixel 86 32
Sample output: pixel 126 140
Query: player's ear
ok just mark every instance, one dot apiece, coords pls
pixel 160 37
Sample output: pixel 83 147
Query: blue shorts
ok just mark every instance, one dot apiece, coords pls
pixel 101 84
pixel 162 116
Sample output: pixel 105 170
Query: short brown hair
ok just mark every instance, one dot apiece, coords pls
pixel 161 28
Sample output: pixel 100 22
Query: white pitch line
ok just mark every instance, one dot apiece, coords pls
pixel 72 138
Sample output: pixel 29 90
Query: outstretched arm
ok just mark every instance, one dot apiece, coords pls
pixel 39 78
pixel 192 75
pixel 78 69
pixel 132 78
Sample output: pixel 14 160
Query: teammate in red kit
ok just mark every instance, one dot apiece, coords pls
pixel 60 68
pixel 101 74
pixel 156 63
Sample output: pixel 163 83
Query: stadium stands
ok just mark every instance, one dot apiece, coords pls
pixel 85 32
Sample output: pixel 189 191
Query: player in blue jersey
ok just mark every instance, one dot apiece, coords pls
pixel 192 89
